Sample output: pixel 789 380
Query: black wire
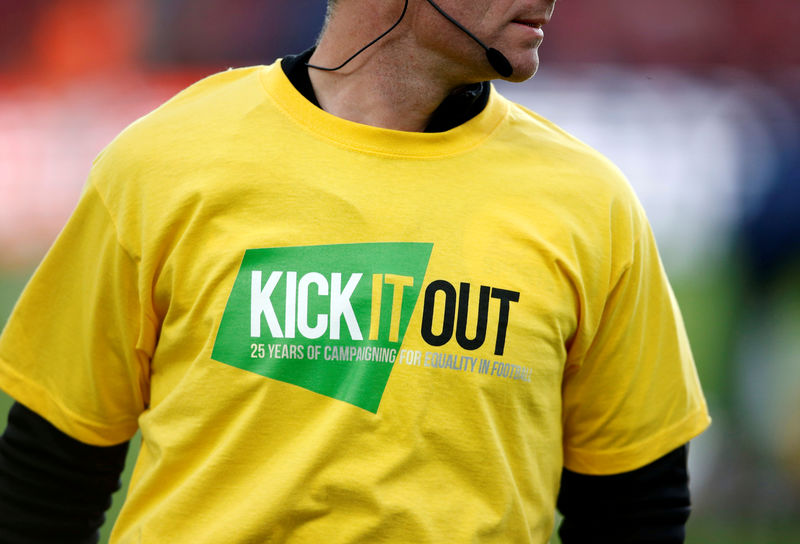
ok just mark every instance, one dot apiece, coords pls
pixel 357 53
pixel 459 25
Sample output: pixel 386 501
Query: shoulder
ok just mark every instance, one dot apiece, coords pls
pixel 212 95
pixel 557 150
pixel 561 164
pixel 184 133
pixel 204 110
pixel 165 160
pixel 587 201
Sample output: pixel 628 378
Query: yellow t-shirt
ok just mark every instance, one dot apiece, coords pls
pixel 331 332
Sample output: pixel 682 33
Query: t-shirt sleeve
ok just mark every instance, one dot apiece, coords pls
pixel 630 390
pixel 77 346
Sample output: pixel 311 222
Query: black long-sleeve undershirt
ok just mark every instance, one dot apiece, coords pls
pixel 53 488
pixel 649 505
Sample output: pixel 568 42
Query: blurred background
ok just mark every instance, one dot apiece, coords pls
pixel 697 102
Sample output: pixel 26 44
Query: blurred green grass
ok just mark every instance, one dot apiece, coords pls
pixel 709 300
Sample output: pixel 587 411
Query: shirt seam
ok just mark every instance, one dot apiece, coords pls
pixel 7 369
pixel 696 416
pixel 130 254
pixel 576 360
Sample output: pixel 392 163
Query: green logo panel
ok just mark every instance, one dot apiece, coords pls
pixel 327 318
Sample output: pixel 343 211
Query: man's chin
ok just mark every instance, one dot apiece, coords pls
pixel 524 70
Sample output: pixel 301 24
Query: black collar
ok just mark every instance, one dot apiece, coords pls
pixel 458 108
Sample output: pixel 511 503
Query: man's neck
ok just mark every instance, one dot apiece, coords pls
pixel 456 109
pixel 384 86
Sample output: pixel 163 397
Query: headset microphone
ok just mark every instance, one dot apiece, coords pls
pixel 496 59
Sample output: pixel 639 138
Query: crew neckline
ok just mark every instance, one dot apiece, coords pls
pixel 377 140
pixel 458 108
